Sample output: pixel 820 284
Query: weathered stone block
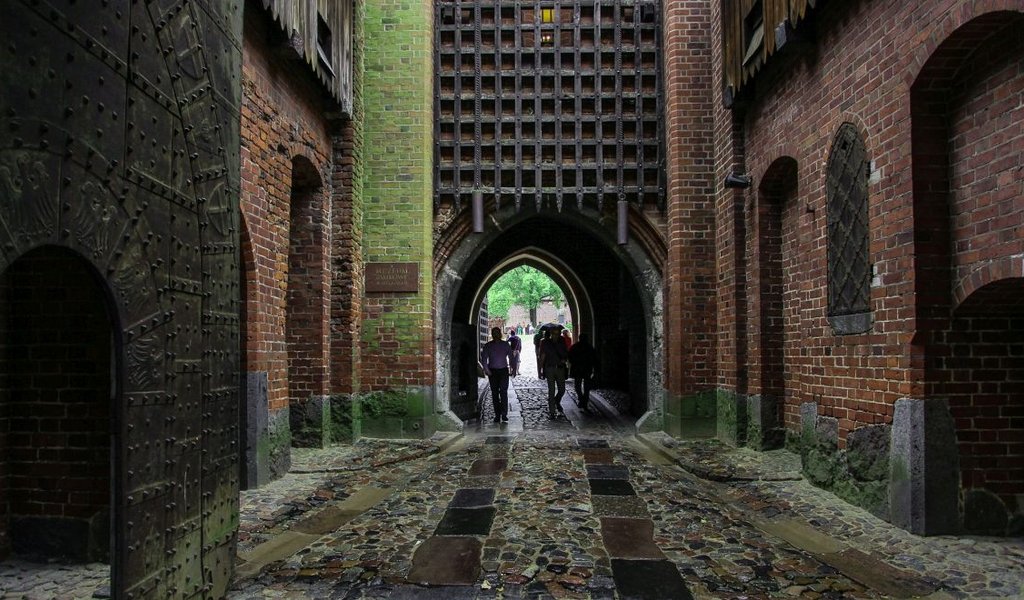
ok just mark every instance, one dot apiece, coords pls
pixel 867 452
pixel 346 420
pixel 732 417
pixel 924 468
pixel 267 435
pixel 310 422
pixel 764 429
pixel 821 460
pixel 398 413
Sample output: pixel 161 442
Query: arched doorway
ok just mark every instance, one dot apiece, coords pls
pixel 306 312
pixel 772 357
pixel 58 410
pixel 617 290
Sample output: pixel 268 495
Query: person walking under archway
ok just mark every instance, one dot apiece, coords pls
pixel 517 349
pixel 552 360
pixel 495 358
pixel 582 364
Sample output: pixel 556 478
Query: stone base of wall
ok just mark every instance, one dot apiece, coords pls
pixel 691 416
pixel 345 419
pixel 732 417
pixel 268 435
pixel 859 474
pixel 764 429
pixel 925 468
pixel 311 422
pixel 398 414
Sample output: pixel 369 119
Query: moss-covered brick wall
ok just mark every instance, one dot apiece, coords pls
pixel 396 339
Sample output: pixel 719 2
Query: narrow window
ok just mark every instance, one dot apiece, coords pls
pixel 849 264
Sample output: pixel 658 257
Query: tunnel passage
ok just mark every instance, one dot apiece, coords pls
pixel 56 408
pixel 608 304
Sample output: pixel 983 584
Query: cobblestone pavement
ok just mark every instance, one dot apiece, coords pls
pixel 573 508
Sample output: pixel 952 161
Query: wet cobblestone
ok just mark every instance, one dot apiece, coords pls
pixel 546 538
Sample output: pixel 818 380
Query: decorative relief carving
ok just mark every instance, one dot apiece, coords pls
pixel 144 363
pixel 27 203
pixel 96 222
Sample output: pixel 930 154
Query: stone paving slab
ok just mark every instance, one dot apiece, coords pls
pixel 629 538
pixel 446 561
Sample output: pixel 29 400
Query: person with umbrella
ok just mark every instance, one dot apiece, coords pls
pixel 552 360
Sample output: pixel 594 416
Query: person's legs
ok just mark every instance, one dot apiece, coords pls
pixel 587 381
pixel 581 395
pixel 560 382
pixel 503 387
pixel 552 403
pixel 493 380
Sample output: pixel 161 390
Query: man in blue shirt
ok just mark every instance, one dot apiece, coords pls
pixel 495 357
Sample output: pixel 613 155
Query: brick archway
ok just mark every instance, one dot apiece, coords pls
pixel 773 316
pixel 966 146
pixel 469 260
pixel 59 403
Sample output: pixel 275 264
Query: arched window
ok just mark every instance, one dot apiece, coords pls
pixel 849 264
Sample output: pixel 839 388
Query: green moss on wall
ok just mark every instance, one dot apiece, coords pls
pixel 731 417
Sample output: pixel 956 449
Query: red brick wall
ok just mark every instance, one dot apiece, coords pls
pixel 282 118
pixel 56 403
pixel 866 56
pixel 987 154
pixel 978 356
pixel 982 374
pixel 308 285
pixel 777 229
pixel 346 261
pixel 690 268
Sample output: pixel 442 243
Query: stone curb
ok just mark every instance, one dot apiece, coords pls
pixel 710 473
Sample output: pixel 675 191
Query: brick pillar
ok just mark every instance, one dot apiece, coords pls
pixel 396 338
pixel 690 271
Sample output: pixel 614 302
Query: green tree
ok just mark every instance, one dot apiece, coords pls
pixel 522 285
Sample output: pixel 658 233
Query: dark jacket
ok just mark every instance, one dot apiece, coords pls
pixel 552 353
pixel 582 359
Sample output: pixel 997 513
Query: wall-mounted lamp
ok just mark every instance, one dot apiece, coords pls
pixel 478 212
pixel 622 229
pixel 736 180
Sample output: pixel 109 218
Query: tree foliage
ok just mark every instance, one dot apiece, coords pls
pixel 522 285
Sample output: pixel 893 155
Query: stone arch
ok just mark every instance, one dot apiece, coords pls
pixel 459 251
pixel 772 317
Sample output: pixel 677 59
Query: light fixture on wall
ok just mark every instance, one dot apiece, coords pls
pixel 478 211
pixel 736 180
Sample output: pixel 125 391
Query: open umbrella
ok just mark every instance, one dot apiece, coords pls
pixel 548 326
